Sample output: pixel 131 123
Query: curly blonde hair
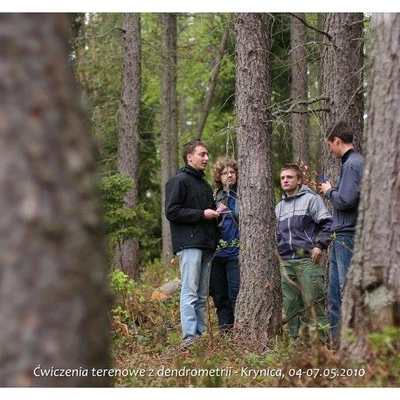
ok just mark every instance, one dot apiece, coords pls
pixel 220 164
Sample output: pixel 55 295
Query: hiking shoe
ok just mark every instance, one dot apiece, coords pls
pixel 190 341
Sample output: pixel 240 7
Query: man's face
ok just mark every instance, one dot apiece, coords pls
pixel 199 158
pixel 289 181
pixel 333 147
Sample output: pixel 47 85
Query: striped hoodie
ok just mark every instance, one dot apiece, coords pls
pixel 303 223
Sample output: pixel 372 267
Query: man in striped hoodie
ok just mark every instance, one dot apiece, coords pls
pixel 304 232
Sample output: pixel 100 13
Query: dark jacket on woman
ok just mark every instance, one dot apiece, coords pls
pixel 229 225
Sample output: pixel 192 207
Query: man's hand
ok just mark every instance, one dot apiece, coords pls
pixel 324 187
pixel 316 254
pixel 210 214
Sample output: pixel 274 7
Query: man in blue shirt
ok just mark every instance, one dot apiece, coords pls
pixel 345 197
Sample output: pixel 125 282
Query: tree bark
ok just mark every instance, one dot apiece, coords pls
pixel 258 312
pixel 53 272
pixel 342 81
pixel 299 88
pixel 127 252
pixel 372 294
pixel 213 83
pixel 169 123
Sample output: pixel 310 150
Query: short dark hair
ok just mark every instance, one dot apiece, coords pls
pixel 189 148
pixel 294 167
pixel 341 130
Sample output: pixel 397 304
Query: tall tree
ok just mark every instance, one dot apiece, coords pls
pixel 53 290
pixel 169 121
pixel 259 311
pixel 372 295
pixel 299 87
pixel 213 81
pixel 97 61
pixel 341 88
pixel 127 253
pixel 342 80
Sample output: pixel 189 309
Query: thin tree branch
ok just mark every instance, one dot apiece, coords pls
pixel 213 82
pixel 102 35
pixel 314 110
pixel 292 109
pixel 312 27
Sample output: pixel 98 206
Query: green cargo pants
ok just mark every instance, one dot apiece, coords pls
pixel 304 298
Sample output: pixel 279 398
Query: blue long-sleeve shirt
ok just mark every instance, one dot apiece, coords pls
pixel 229 229
pixel 345 195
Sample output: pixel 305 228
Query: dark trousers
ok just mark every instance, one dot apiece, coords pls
pixel 224 288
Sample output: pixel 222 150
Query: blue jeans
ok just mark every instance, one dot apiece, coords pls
pixel 342 251
pixel 195 275
pixel 224 288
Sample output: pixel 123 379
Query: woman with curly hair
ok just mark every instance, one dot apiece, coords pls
pixel 225 273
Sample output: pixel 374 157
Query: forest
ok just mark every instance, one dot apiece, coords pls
pixel 96 108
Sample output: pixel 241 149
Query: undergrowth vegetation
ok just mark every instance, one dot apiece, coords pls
pixel 147 349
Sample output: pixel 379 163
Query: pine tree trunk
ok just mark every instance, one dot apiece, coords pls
pixel 53 272
pixel 299 88
pixel 169 123
pixel 342 81
pixel 213 82
pixel 259 312
pixel 372 295
pixel 342 84
pixel 127 252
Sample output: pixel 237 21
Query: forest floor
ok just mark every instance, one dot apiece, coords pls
pixel 147 353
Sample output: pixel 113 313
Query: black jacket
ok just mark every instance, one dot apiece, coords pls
pixel 187 195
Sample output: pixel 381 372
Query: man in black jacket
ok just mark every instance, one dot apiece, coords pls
pixel 190 209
